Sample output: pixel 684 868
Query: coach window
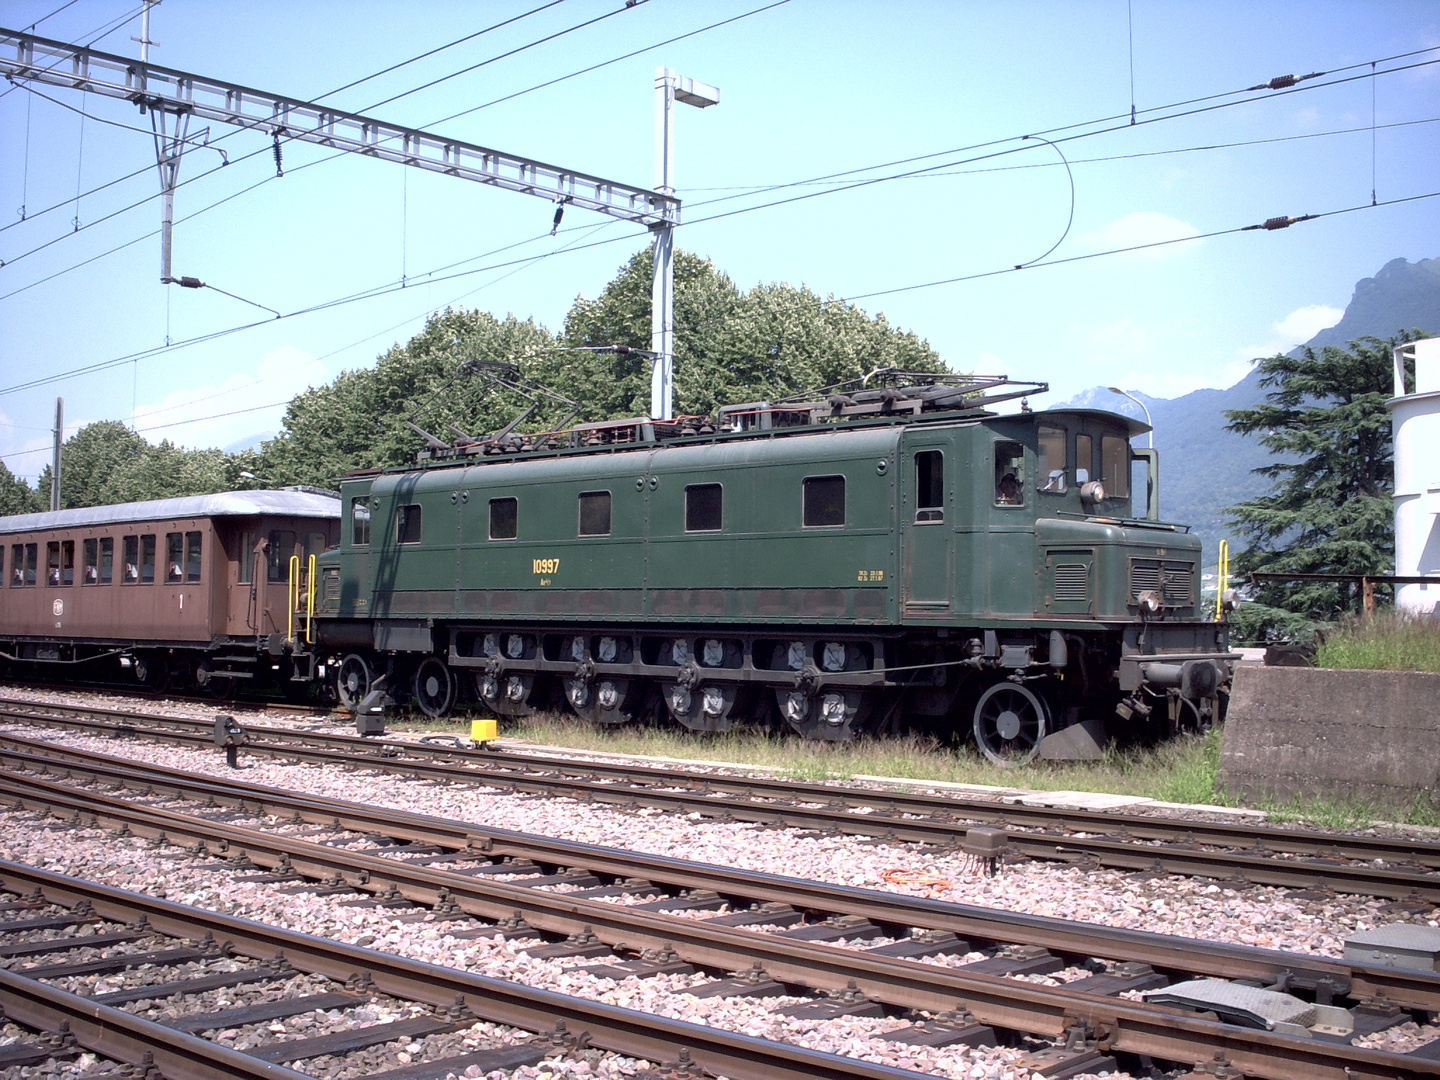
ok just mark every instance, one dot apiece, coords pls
pixel 174 558
pixel 22 562
pixel 824 500
pixel 703 509
pixel 131 557
pixel 595 513
pixel 245 568
pixel 52 563
pixel 1052 459
pixel 1009 473
pixel 277 558
pixel 407 525
pixel 504 519
pixel 90 558
pixel 1115 466
pixel 147 559
pixel 107 559
pixel 67 562
pixel 360 521
pixel 192 556
pixel 929 486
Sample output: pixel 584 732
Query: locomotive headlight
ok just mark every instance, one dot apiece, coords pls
pixel 1092 491
pixel 1148 600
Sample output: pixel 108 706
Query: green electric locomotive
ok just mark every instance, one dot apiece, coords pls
pixel 845 564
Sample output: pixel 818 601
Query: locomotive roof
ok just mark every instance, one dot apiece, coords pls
pixel 307 504
pixel 1133 427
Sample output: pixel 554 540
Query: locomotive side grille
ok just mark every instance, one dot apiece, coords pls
pixel 1174 581
pixel 330 597
pixel 1072 582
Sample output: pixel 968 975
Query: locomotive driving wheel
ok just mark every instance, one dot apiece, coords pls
pixel 352 681
pixel 1009 722
pixel 434 687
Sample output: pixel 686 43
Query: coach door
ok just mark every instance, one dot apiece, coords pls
pixel 925 507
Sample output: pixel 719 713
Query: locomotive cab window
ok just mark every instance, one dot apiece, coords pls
pixel 407 525
pixel 824 501
pixel 703 509
pixel 929 486
pixel 1115 466
pixel 1084 451
pixel 594 513
pixel 504 519
pixel 1052 459
pixel 1009 474
pixel 360 521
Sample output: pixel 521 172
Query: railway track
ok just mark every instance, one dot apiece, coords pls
pixel 133 932
pixel 618 899
pixel 1403 870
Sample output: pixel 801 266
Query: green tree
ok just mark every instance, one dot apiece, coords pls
pixel 167 471
pixel 730 347
pixel 16 496
pixel 1329 509
pixel 357 421
pixel 89 459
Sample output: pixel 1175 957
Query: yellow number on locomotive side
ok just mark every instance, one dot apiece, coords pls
pixel 871 575
pixel 546 566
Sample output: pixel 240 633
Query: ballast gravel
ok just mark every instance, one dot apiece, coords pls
pixel 1259 916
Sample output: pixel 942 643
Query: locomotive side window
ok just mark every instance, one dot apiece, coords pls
pixel 1052 459
pixel 174 557
pixel 131 556
pixel 703 507
pixel 192 556
pixel 504 519
pixel 277 558
pixel 1009 474
pixel 107 559
pixel 1084 452
pixel 1115 465
pixel 595 513
pixel 824 502
pixel 407 526
pixel 360 521
pixel 147 559
pixel 929 486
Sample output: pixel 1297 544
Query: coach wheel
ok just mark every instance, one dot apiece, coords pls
pixel 1009 722
pixel 152 672
pixel 434 687
pixel 215 684
pixel 352 681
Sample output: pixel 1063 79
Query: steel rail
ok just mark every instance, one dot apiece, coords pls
pixel 562 913
pixel 1131 842
pixel 127 1038
pixel 609 1027
pixel 1118 1025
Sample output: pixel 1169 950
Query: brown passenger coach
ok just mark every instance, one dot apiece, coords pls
pixel 209 590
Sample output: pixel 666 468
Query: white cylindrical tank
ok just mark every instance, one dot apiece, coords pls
pixel 1415 416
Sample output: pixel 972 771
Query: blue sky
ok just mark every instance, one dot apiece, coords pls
pixel 808 89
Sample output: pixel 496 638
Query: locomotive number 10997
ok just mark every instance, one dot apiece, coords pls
pixel 545 566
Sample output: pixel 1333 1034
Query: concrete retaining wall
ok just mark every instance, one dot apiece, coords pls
pixel 1371 736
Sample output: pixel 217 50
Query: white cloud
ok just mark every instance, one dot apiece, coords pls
pixel 1294 329
pixel 1139 228
pixel 242 404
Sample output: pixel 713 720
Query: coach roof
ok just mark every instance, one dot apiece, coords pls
pixel 305 504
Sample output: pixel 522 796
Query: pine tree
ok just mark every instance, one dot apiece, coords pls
pixel 1329 510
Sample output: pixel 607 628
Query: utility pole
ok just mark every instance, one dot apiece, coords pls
pixel 669 88
pixel 55 461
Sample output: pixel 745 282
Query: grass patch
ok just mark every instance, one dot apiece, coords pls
pixel 1182 770
pixel 1391 641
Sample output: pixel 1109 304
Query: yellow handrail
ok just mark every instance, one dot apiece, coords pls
pixel 1222 582
pixel 292 596
pixel 310 605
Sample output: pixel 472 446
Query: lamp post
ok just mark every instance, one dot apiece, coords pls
pixel 1137 401
pixel 669 88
